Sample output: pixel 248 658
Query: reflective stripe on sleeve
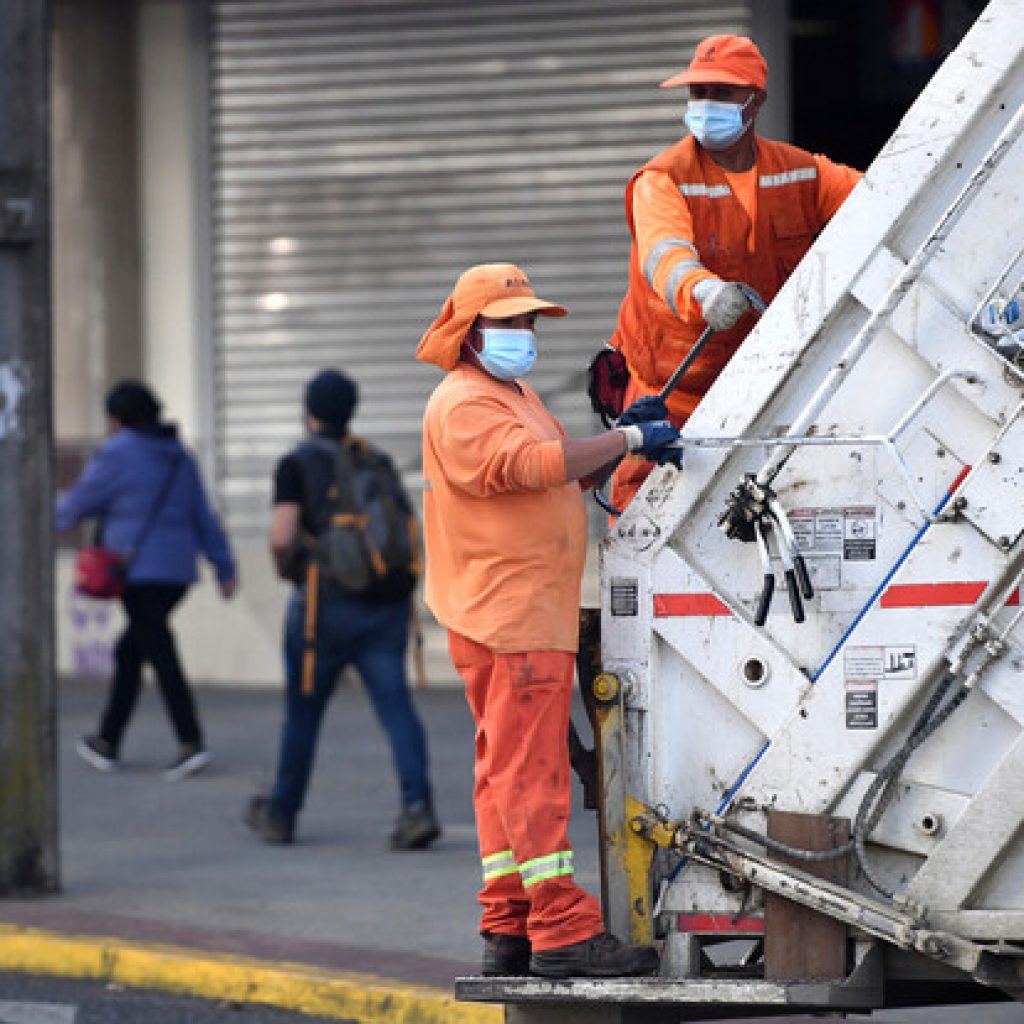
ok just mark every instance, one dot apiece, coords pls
pixel 541 869
pixel 788 177
pixel 659 249
pixel 676 274
pixel 698 188
pixel 498 864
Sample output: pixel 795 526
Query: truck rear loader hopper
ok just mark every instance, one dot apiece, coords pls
pixel 816 803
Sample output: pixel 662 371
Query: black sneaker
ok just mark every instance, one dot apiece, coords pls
pixel 271 828
pixel 505 956
pixel 191 760
pixel 603 956
pixel 97 753
pixel 415 828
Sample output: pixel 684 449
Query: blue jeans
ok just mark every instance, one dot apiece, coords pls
pixel 372 637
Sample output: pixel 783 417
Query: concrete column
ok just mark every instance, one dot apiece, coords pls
pixel 96 262
pixel 169 55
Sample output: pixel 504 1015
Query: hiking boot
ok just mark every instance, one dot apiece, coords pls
pixel 98 753
pixel 270 827
pixel 192 759
pixel 603 956
pixel 415 828
pixel 505 956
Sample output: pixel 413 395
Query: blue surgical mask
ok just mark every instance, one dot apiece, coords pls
pixel 508 352
pixel 716 124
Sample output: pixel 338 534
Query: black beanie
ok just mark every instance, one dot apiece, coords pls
pixel 331 398
pixel 132 404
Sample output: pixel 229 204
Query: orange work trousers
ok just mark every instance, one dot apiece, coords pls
pixel 522 794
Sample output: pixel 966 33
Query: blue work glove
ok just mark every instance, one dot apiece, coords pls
pixel 650 439
pixel 644 410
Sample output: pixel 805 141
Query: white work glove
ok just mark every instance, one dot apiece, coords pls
pixel 721 302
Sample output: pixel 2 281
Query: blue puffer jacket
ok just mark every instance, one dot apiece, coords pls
pixel 120 484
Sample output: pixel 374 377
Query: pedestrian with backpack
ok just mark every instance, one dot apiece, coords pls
pixel 146 491
pixel 344 532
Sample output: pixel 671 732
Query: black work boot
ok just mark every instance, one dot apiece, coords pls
pixel 415 828
pixel 603 956
pixel 270 827
pixel 505 956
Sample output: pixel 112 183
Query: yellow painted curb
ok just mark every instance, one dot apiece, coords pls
pixel 364 998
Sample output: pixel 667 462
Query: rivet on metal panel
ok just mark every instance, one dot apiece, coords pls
pixel 995 458
pixel 940 453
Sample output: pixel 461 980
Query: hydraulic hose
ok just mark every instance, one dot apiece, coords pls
pixel 878 795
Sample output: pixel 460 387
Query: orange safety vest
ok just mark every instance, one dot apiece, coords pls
pixel 655 331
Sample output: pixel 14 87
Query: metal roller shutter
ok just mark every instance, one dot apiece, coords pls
pixel 364 153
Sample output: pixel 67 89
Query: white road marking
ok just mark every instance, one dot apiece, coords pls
pixel 36 1013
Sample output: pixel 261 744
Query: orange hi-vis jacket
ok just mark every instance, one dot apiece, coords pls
pixel 505 533
pixel 689 221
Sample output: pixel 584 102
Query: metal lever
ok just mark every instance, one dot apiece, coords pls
pixel 663 394
pixel 768 590
pixel 795 603
pixel 799 565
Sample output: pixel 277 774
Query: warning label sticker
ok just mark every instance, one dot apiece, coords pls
pixel 848 532
pixel 625 596
pixel 862 706
pixel 898 661
pixel 864 667
pixel 858 536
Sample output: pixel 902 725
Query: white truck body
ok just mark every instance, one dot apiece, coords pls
pixel 908 508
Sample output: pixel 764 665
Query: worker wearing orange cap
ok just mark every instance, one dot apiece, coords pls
pixel 505 534
pixel 721 208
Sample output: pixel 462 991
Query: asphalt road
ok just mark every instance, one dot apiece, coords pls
pixel 27 1000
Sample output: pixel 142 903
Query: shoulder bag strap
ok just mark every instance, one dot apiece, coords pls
pixel 154 510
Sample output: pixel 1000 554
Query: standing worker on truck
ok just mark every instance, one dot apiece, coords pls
pixel 505 531
pixel 721 208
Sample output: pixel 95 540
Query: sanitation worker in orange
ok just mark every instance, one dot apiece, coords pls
pixel 505 533
pixel 720 209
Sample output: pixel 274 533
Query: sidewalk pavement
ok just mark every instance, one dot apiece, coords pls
pixel 164 886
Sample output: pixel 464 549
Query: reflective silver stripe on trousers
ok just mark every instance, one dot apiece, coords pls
pixel 698 188
pixel 676 274
pixel 788 177
pixel 659 249
pixel 498 864
pixel 542 868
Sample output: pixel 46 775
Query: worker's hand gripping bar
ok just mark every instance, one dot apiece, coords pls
pixel 670 385
pixel 756 303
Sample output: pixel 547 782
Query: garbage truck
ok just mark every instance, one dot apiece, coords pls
pixel 806 676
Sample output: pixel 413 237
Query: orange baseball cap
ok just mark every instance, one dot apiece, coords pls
pixel 724 60
pixel 489 289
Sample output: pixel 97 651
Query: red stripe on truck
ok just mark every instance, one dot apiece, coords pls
pixel 935 595
pixel 666 605
pixel 720 923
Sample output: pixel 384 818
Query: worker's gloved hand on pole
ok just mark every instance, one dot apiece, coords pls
pixel 721 302
pixel 651 440
pixel 645 409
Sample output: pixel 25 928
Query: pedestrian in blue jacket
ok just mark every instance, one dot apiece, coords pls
pixel 143 470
